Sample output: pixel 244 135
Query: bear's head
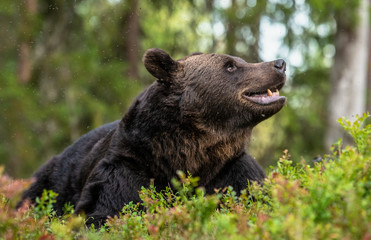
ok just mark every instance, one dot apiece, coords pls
pixel 217 91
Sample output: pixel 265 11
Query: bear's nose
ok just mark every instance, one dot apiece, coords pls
pixel 280 64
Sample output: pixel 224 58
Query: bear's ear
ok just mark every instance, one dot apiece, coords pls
pixel 160 64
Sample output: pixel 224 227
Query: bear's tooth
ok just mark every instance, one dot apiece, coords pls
pixel 269 93
pixel 276 93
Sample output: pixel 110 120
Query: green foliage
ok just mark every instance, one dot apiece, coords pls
pixel 344 10
pixel 360 132
pixel 329 200
pixel 44 204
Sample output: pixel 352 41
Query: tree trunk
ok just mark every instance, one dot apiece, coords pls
pixel 231 27
pixel 127 45
pixel 29 10
pixel 368 102
pixel 132 47
pixel 349 74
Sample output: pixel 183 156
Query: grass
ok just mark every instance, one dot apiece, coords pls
pixel 326 200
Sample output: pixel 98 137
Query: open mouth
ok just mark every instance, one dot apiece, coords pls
pixel 266 97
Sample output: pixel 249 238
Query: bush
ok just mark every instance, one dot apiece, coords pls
pixel 329 199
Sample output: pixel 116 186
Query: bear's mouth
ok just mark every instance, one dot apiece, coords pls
pixel 265 97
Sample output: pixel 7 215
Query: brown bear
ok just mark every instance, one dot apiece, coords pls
pixel 195 118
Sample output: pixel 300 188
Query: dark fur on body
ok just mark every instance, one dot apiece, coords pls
pixel 192 118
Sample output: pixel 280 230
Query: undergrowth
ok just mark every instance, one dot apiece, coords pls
pixel 330 199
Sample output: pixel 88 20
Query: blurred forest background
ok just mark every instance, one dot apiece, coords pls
pixel 69 66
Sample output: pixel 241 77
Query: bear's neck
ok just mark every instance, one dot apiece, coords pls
pixel 196 152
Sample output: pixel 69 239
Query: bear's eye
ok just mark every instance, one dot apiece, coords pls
pixel 231 67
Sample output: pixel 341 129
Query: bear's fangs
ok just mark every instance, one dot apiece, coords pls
pixel 276 93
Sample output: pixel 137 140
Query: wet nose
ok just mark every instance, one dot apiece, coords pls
pixel 280 65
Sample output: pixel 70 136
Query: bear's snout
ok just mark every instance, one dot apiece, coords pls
pixel 280 65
